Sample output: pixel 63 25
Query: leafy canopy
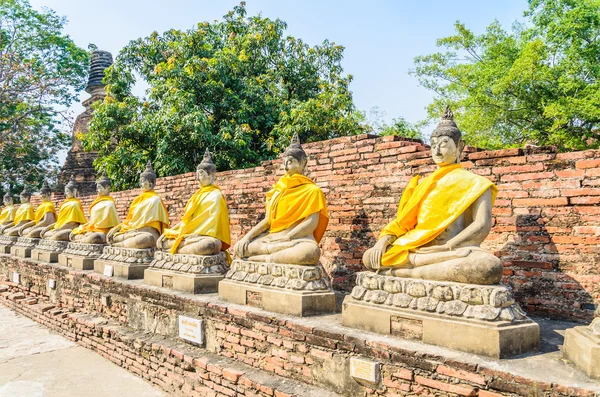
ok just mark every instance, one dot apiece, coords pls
pixel 41 71
pixel 238 87
pixel 537 83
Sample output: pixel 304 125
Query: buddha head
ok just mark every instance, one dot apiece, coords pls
pixel 25 196
pixel 446 141
pixel 294 157
pixel 103 185
pixel 8 200
pixel 71 187
pixel 206 170
pixel 45 191
pixel 148 178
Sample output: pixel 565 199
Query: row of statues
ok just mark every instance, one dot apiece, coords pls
pixel 441 221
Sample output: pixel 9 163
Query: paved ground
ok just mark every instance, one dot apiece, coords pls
pixel 36 363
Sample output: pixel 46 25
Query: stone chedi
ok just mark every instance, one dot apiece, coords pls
pixel 192 257
pixel 55 237
pixel 279 268
pixel 131 244
pixel 45 215
pixel 434 283
pixel 88 240
pixel 7 221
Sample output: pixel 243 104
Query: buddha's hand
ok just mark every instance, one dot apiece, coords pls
pixel 159 242
pixel 241 247
pixel 435 248
pixel 372 257
pixel 111 233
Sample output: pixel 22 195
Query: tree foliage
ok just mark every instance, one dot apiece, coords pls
pixel 537 83
pixel 238 87
pixel 41 71
pixel 401 127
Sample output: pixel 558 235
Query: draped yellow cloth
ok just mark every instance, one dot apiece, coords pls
pixel 206 214
pixel 7 214
pixel 70 210
pixel 294 198
pixel 103 216
pixel 147 209
pixel 24 213
pixel 426 209
pixel 44 208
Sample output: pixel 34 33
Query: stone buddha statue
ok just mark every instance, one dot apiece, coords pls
pixel 441 221
pixel 146 219
pixel 70 215
pixel 45 215
pixel 23 215
pixel 204 227
pixel 103 216
pixel 295 220
pixel 7 215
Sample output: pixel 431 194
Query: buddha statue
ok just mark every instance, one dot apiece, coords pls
pixel 146 219
pixel 204 227
pixel 23 215
pixel 441 221
pixel 45 215
pixel 295 220
pixel 103 216
pixel 70 215
pixel 7 215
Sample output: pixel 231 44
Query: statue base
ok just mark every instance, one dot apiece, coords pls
pixel 23 247
pixel 48 250
pixel 6 242
pixel 288 289
pixel 128 263
pixel 582 348
pixel 479 319
pixel 193 274
pixel 81 256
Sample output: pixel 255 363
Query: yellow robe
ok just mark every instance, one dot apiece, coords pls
pixel 103 216
pixel 70 210
pixel 294 198
pixel 24 213
pixel 147 209
pixel 44 208
pixel 206 214
pixel 7 214
pixel 426 209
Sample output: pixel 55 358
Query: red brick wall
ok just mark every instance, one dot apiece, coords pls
pixel 545 218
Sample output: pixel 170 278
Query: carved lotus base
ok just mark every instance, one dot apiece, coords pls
pixel 22 248
pixel 6 242
pixel 480 319
pixel 80 256
pixel 48 250
pixel 128 263
pixel 288 289
pixel 194 264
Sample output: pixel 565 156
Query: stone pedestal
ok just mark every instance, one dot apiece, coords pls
pixel 582 348
pixel 23 247
pixel 6 242
pixel 48 250
pixel 193 274
pixel 81 256
pixel 288 289
pixel 479 319
pixel 128 263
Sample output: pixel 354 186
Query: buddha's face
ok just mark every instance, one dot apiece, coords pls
pixel 8 200
pixel 444 150
pixel 204 177
pixel 102 190
pixel 146 184
pixel 70 193
pixel 292 165
pixel 45 196
pixel 24 198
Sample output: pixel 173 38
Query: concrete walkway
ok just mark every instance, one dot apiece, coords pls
pixel 36 363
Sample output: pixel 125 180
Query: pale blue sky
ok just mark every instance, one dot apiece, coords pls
pixel 381 37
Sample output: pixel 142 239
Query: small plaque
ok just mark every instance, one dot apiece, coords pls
pixel 407 328
pixel 108 270
pixel 364 370
pixel 51 283
pixel 191 330
pixel 167 281
pixel 16 278
pixel 254 299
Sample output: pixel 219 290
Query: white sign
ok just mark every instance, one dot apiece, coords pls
pixel 51 283
pixel 16 278
pixel 365 370
pixel 191 329
pixel 108 270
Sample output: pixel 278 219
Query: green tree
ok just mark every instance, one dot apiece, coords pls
pixel 401 127
pixel 41 71
pixel 537 83
pixel 238 87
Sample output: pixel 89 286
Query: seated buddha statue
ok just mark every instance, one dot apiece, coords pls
pixel 103 216
pixel 295 220
pixel 441 221
pixel 45 215
pixel 23 215
pixel 70 215
pixel 204 227
pixel 146 219
pixel 7 214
